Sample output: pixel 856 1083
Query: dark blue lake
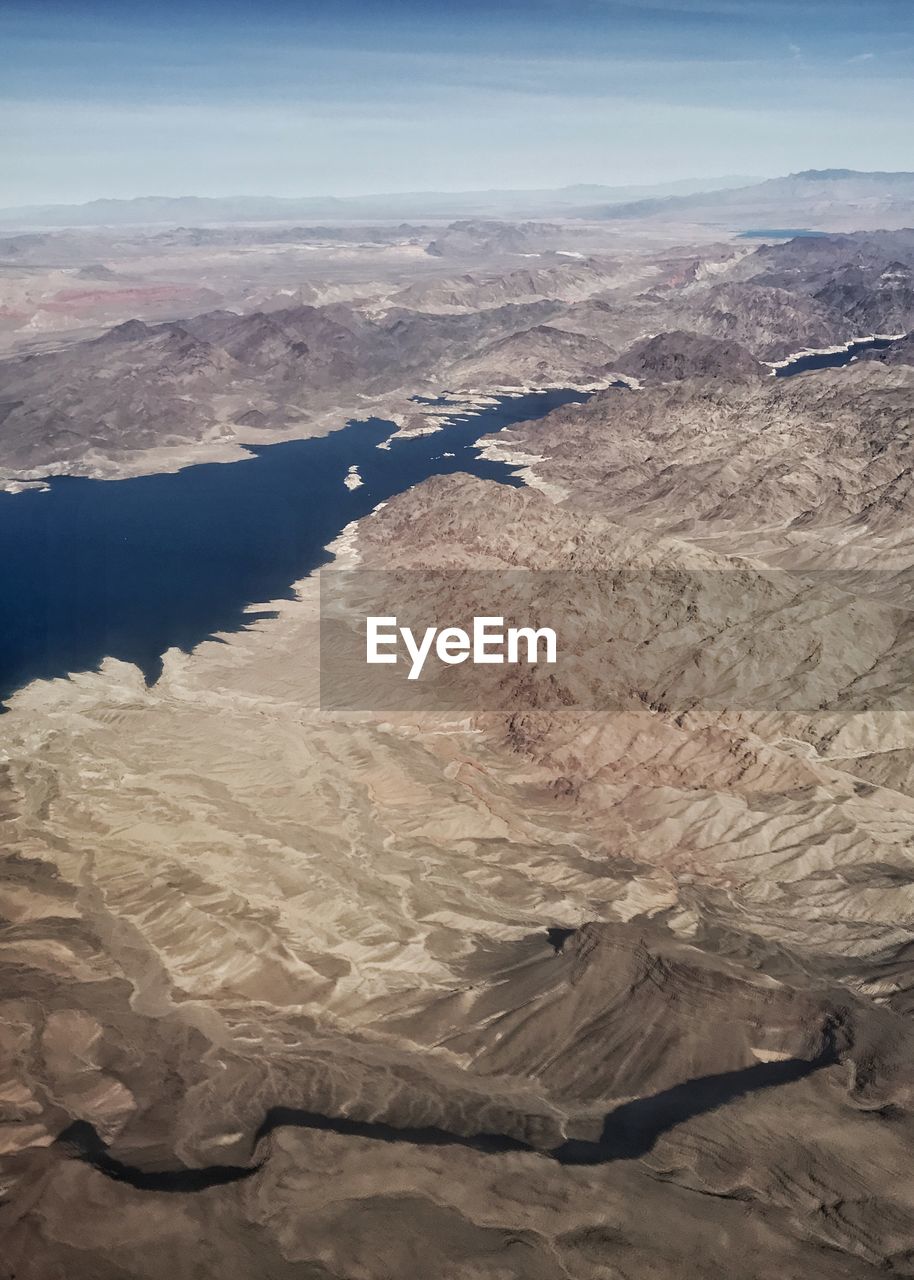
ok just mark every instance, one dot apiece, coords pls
pixel 130 568
pixel 832 359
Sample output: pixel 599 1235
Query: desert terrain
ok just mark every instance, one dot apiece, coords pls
pixel 555 984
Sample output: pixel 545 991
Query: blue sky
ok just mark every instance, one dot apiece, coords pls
pixel 284 98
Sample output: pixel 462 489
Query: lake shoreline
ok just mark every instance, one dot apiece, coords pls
pixel 397 408
pixel 850 348
pixel 166 561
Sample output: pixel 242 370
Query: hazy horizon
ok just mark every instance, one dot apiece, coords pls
pixel 700 183
pixel 114 101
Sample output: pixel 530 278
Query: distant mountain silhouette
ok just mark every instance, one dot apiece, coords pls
pixel 178 210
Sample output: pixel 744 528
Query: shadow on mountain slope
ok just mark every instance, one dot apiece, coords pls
pixel 629 1130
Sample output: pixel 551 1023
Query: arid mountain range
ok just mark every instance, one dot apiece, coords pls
pixel 221 378
pixel 834 199
pixel 146 210
pixel 544 988
pixel 825 199
pixel 57 283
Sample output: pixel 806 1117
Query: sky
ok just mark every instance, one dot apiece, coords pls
pixel 297 98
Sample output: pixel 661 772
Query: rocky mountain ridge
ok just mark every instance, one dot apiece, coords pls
pixel 204 382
